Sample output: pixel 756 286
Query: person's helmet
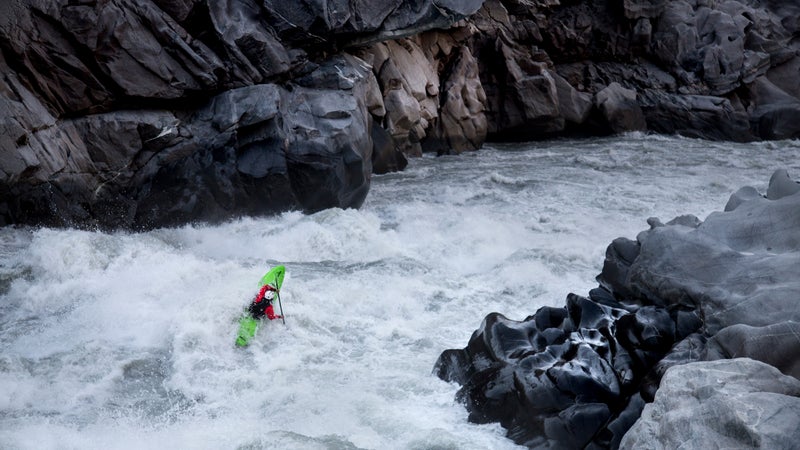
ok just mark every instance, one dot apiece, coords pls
pixel 269 295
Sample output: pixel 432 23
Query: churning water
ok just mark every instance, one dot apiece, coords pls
pixel 121 340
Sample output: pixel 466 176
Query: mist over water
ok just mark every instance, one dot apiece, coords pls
pixel 125 341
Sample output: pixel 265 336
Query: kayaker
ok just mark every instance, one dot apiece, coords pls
pixel 262 304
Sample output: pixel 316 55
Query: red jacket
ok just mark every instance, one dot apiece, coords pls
pixel 268 310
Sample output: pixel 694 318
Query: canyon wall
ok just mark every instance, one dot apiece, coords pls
pixel 139 114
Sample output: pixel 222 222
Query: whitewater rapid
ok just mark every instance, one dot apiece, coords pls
pixel 125 340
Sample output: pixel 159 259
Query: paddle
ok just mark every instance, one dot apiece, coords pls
pixel 278 294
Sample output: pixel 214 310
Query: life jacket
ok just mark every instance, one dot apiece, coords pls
pixel 259 308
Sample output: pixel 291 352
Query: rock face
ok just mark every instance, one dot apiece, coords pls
pixel 717 70
pixel 736 403
pixel 250 150
pixel 432 94
pixel 105 106
pixel 141 114
pixel 684 292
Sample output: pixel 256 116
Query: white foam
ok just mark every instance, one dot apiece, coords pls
pixel 126 340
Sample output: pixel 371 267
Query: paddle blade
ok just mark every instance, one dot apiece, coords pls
pixel 274 277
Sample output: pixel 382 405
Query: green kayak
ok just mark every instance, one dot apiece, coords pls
pixel 247 330
pixel 248 326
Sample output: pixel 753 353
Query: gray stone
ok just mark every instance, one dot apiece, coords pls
pixel 779 122
pixel 620 109
pixel 462 123
pixel 781 185
pixel 744 194
pixel 777 345
pixel 697 116
pixel 574 105
pixel 737 267
pixel 635 9
pixel 385 156
pixel 738 403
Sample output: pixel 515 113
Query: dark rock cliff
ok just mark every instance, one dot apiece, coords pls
pixel 137 114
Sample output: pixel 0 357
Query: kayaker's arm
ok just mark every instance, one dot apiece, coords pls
pixel 270 312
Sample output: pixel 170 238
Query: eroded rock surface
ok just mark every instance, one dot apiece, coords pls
pixel 128 114
pixel 565 377
pixel 688 291
pixel 92 92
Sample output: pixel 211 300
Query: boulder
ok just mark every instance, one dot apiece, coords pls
pixel 531 105
pixel 386 157
pixel 730 403
pixel 574 105
pixel 777 345
pixel 780 186
pixel 697 116
pixel 775 111
pixel 565 377
pixel 329 139
pixel 737 267
pixel 779 122
pixel 620 109
pixel 262 149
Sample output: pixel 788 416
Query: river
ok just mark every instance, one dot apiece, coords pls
pixel 125 340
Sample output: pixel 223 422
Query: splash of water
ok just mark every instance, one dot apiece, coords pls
pixel 121 340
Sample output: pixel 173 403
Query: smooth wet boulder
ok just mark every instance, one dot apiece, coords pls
pixel 781 185
pixel 699 116
pixel 730 403
pixel 263 149
pixel 564 377
pixel 777 345
pixel 739 266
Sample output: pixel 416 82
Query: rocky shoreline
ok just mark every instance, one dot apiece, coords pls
pixel 690 341
pixel 125 114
